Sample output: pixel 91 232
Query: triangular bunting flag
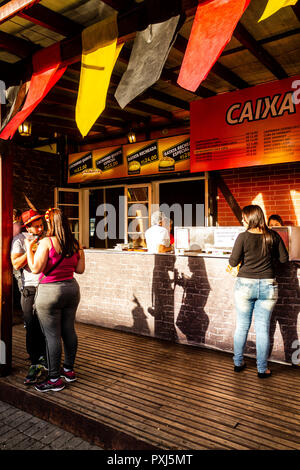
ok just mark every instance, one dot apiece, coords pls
pixel 99 54
pixel 46 73
pixel 273 6
pixel 15 97
pixel 150 50
pixel 212 29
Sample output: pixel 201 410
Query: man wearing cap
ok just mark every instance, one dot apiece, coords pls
pixel 35 340
pixel 157 236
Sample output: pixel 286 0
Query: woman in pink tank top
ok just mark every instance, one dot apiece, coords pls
pixel 57 258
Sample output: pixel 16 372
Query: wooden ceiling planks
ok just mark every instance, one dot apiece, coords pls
pixel 251 57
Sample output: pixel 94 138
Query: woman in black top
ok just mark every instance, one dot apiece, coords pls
pixel 256 290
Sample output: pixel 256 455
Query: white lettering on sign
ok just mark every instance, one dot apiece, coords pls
pixel 262 108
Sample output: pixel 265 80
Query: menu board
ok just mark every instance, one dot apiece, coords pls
pixel 256 126
pixel 142 158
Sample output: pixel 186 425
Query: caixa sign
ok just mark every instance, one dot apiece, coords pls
pixel 2 92
pixel 2 352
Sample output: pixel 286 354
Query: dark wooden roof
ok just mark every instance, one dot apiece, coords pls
pixel 257 53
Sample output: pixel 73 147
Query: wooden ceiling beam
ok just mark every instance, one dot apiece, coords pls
pixel 42 16
pixel 60 123
pixel 54 110
pixel 17 46
pixel 150 109
pixel 245 38
pixel 178 124
pixel 13 8
pixel 64 100
pixel 229 76
pixel 167 99
pixel 71 87
pixel 42 130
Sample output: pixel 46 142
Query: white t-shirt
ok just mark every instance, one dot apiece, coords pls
pixel 18 246
pixel 155 236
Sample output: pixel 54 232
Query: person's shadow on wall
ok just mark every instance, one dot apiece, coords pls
pixel 192 320
pixel 140 321
pixel 287 309
pixel 163 297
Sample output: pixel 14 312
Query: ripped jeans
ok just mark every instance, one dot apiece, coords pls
pixel 258 297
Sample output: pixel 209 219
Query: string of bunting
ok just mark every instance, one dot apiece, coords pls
pixel 212 29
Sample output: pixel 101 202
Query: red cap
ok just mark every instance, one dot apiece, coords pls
pixel 30 216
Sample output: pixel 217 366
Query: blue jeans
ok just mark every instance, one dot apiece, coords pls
pixel 257 296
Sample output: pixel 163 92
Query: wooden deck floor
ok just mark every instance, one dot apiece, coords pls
pixel 140 393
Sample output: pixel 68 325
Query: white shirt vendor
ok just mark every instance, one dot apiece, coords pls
pixel 157 237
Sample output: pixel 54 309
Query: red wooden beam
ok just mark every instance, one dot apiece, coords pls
pixel 6 208
pixel 14 7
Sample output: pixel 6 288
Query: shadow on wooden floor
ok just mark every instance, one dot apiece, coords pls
pixel 137 393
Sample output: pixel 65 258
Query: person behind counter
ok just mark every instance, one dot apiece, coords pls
pixel 275 221
pixel 168 223
pixel 157 236
pixel 58 295
pixel 256 290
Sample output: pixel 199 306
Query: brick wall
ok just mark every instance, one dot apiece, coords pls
pixel 135 292
pixel 36 174
pixel 276 188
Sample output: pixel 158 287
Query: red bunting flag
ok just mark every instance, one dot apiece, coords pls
pixel 212 29
pixel 46 73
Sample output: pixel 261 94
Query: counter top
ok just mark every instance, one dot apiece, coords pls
pixel 186 254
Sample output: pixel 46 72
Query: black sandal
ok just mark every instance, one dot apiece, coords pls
pixel 239 368
pixel 264 375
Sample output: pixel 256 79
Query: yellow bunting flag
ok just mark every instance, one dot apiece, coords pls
pixel 274 5
pixel 99 54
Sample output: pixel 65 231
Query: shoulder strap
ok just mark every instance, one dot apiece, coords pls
pixel 53 267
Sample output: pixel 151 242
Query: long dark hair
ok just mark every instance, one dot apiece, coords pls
pixel 256 219
pixel 59 227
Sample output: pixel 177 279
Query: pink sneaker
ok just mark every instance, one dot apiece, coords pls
pixel 69 376
pixel 48 386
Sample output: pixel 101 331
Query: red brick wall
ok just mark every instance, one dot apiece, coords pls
pixel 278 186
pixel 135 292
pixel 36 174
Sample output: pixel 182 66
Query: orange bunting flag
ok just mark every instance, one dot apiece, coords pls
pixel 274 5
pixel 213 26
pixel 99 54
pixel 46 72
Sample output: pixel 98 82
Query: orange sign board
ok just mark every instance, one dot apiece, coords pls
pixel 256 126
pixel 143 158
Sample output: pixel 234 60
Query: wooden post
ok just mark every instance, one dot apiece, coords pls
pixel 6 213
pixel 230 199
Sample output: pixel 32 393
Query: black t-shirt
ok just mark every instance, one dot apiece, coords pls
pixel 247 250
